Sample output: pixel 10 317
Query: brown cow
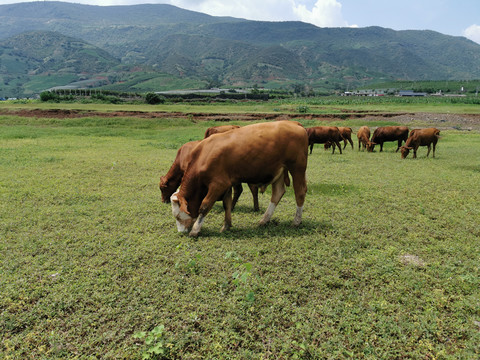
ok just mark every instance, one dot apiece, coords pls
pixel 388 133
pixel 346 133
pixel 172 180
pixel 256 154
pixel 420 137
pixel 322 134
pixel 363 136
pixel 219 129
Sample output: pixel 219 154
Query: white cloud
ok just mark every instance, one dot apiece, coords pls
pixel 472 33
pixel 267 10
pixel 325 13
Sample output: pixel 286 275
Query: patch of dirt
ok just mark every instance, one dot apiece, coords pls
pixel 441 121
pixel 413 260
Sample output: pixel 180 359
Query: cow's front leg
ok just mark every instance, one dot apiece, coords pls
pixel 254 191
pixel 227 206
pixel 205 207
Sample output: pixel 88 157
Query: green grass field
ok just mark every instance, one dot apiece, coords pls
pixel 384 266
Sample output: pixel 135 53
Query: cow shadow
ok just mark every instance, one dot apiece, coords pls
pixel 275 228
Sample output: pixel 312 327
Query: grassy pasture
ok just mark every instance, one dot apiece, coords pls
pixel 384 266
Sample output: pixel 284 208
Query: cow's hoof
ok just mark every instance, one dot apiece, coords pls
pixel 193 234
pixel 225 227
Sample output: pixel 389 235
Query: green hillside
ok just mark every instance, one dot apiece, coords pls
pixel 89 42
pixel 34 61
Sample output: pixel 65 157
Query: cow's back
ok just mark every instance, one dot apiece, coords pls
pixel 390 133
pixel 219 129
pixel 252 154
pixel 364 131
pixel 323 133
pixel 423 137
pixel 184 154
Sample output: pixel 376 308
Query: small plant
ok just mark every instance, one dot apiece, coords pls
pixel 191 265
pixel 158 346
pixel 242 274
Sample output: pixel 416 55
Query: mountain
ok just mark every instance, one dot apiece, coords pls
pixel 166 41
pixel 43 51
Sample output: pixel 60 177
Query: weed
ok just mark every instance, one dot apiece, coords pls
pixel 157 343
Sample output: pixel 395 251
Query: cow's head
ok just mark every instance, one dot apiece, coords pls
pixel 327 145
pixel 166 190
pixel 405 151
pixel 179 210
pixel 370 146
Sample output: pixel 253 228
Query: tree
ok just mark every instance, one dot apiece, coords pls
pixel 153 99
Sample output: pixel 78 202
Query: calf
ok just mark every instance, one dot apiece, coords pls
pixel 363 136
pixel 346 133
pixel 420 137
pixel 388 133
pixel 323 134
pixel 219 129
pixel 256 154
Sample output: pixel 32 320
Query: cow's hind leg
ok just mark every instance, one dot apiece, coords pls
pixel 339 147
pixel 428 147
pixel 237 191
pixel 278 189
pixel 227 206
pixel 300 188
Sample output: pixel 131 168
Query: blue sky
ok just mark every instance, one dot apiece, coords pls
pixel 450 17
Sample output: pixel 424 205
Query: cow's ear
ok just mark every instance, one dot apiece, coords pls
pixel 183 205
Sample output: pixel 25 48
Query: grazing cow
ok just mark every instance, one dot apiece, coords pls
pixel 237 189
pixel 420 137
pixel 323 134
pixel 346 133
pixel 388 133
pixel 172 180
pixel 256 154
pixel 363 136
pixel 219 129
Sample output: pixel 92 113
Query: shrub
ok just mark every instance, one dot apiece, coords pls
pixel 48 96
pixel 153 99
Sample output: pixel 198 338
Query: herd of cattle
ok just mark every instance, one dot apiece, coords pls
pixel 209 170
